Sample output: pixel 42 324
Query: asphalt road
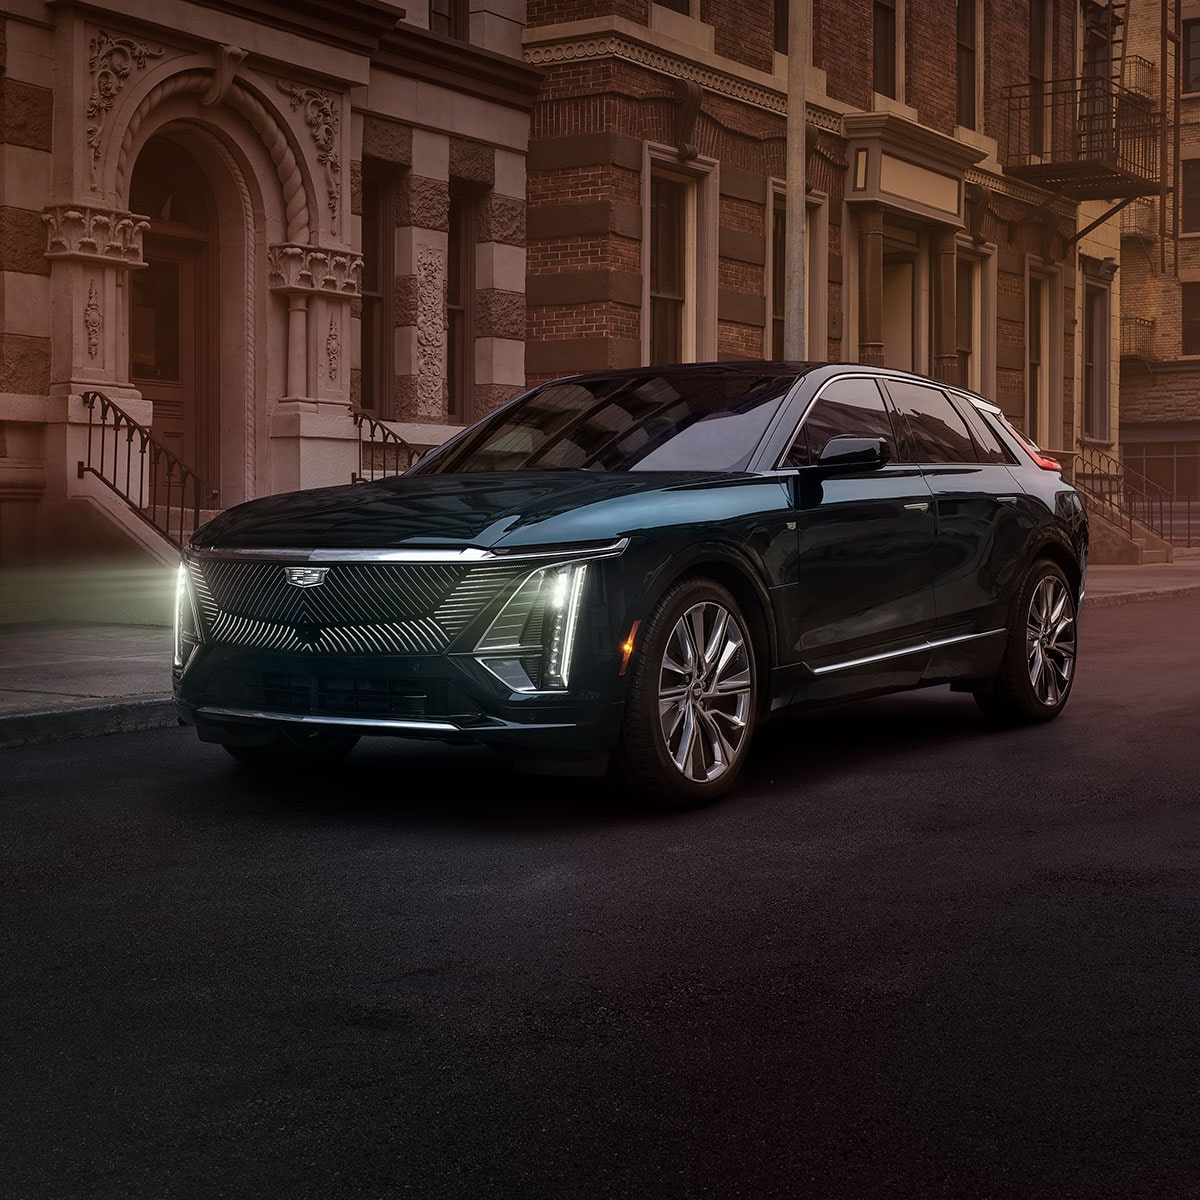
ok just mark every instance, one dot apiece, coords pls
pixel 914 957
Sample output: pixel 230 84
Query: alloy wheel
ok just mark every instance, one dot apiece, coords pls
pixel 704 692
pixel 1050 640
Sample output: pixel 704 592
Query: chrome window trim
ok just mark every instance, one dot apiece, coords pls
pixel 903 653
pixel 466 556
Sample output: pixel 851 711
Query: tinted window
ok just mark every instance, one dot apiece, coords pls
pixel 657 421
pixel 987 443
pixel 936 432
pixel 847 407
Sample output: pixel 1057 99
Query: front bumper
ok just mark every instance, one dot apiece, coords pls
pixel 238 696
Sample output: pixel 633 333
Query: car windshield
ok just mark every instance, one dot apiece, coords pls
pixel 657 421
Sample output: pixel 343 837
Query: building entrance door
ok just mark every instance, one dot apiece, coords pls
pixel 170 327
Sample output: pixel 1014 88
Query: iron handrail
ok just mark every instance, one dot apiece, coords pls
pixel 158 485
pixel 1129 498
pixel 387 453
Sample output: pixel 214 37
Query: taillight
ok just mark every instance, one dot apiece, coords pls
pixel 1047 464
pixel 1042 460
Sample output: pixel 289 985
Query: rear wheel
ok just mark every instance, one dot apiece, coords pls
pixel 689 712
pixel 296 750
pixel 1038 670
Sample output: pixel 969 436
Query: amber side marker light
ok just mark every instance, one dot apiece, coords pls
pixel 627 647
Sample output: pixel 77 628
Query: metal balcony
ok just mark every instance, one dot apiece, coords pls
pixel 1139 220
pixel 1086 138
pixel 1137 338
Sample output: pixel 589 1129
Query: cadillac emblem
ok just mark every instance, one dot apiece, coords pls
pixel 305 576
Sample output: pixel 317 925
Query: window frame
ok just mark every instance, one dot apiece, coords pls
pixel 967 51
pixel 1095 418
pixel 701 175
pixel 1189 196
pixel 457 18
pixel 1189 51
pixel 460 314
pixel 379 192
pixel 1189 288
pixel 887 70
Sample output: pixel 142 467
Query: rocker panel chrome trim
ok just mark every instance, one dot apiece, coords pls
pixel 905 652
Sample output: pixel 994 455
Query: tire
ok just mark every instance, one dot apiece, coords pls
pixel 1038 669
pixel 296 750
pixel 690 709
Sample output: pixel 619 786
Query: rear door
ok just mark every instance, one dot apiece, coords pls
pixel 980 529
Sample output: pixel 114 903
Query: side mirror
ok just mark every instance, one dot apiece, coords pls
pixel 844 453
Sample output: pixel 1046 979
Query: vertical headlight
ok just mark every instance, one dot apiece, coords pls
pixel 530 644
pixel 187 635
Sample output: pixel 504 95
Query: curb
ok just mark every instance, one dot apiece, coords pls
pixel 1115 599
pixel 93 720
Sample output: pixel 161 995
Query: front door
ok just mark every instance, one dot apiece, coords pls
pixel 170 325
pixel 163 358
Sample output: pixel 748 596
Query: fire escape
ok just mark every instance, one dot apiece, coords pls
pixel 1094 137
pixel 1107 135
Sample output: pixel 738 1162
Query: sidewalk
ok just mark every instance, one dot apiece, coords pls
pixel 64 676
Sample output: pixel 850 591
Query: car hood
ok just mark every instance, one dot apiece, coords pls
pixel 506 510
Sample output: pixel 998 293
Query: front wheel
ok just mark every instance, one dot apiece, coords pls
pixel 1038 669
pixel 693 693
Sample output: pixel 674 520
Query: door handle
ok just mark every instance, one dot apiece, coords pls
pixel 1007 499
pixel 922 507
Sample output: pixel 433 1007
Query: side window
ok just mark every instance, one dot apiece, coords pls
pixel 936 433
pixel 847 407
pixel 989 446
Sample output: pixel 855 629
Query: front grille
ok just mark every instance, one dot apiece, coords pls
pixel 340 695
pixel 379 608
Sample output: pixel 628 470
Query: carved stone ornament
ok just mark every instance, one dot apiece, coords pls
pixel 105 234
pixel 110 63
pixel 333 348
pixel 322 115
pixel 294 268
pixel 431 331
pixel 93 318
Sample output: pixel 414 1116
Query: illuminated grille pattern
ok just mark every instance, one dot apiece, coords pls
pixel 379 608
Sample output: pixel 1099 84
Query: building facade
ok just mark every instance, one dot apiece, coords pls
pixel 962 161
pixel 241 224
pixel 237 235
pixel 1160 349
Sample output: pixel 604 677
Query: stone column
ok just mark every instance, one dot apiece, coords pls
pixel 313 441
pixel 422 232
pixel 945 308
pixel 500 286
pixel 870 284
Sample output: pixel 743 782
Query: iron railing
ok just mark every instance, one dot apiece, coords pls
pixel 1086 137
pixel 381 451
pixel 1128 499
pixel 158 486
pixel 1137 337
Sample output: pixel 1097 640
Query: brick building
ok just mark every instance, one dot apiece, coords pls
pixel 961 162
pixel 259 229
pixel 243 222
pixel 1160 348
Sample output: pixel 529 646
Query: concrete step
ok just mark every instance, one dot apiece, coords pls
pixel 1154 556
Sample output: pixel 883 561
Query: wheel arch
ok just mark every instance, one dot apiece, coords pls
pixel 1063 558
pixel 738 577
